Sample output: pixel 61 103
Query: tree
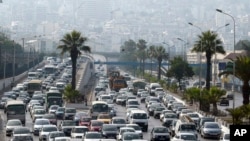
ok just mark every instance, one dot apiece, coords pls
pixel 150 54
pixel 160 55
pixel 209 43
pixel 242 65
pixel 192 94
pixel 214 96
pixel 237 114
pixel 70 94
pixel 179 69
pixel 73 43
pixel 141 45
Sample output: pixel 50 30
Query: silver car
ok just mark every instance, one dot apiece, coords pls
pixel 211 129
pixel 11 125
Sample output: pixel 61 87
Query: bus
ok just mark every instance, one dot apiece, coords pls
pixel 53 97
pixel 34 85
pixel 98 107
pixel 16 109
pixel 49 69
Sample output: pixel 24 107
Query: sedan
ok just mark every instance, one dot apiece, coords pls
pixel 90 136
pixel 109 131
pixel 46 129
pixel 38 124
pixel 79 131
pixel 128 136
pixel 11 125
pixel 123 130
pixel 211 129
pixel 51 117
pixel 160 133
pixel 118 121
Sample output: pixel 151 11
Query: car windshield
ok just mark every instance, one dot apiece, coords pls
pixel 49 129
pixel 21 131
pixel 54 107
pixel 212 126
pixel 133 103
pixel 14 123
pixel 93 136
pixel 22 138
pixel 70 111
pixel 127 130
pixel 97 123
pixel 42 122
pixel 188 137
pixel 140 116
pixel 188 127
pixel 104 117
pixel 161 130
pixel 81 130
pixel 109 128
pixel 131 136
pixel 119 121
pixel 50 116
pixel 86 119
pixel 69 123
pixel 39 111
pixel 167 115
pixel 58 134
pixel 61 109
pixel 135 127
pixel 160 108
pixel 193 115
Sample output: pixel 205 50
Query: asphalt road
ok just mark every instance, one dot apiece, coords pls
pixel 120 112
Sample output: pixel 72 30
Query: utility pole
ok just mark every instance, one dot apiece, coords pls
pixel 14 61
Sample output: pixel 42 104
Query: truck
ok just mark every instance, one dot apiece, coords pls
pixel 53 97
pixel 116 81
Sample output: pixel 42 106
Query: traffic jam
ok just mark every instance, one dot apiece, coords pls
pixel 122 108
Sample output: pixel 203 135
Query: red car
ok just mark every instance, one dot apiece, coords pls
pixel 85 121
pixel 95 125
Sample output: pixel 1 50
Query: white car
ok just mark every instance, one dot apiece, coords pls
pixel 185 137
pixel 137 129
pixel 38 124
pixel 163 112
pixel 11 124
pixel 38 113
pixel 62 139
pixel 225 137
pixel 54 134
pixel 79 131
pixel 123 130
pixel 46 129
pixel 92 136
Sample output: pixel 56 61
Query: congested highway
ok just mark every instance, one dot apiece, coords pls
pixel 101 70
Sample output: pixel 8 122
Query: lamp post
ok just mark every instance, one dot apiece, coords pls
pixel 184 47
pixel 14 62
pixel 200 61
pixel 218 10
pixel 215 55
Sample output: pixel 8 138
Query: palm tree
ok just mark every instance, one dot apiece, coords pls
pixel 73 43
pixel 141 45
pixel 214 96
pixel 150 54
pixel 242 65
pixel 160 54
pixel 209 43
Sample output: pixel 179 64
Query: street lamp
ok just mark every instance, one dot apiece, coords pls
pixel 218 10
pixel 184 47
pixel 14 62
pixel 168 52
pixel 200 61
pixel 215 55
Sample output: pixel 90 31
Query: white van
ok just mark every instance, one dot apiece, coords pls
pixel 140 118
pixel 152 88
pixel 33 75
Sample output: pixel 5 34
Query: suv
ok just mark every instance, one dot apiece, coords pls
pixel 160 133
pixel 139 117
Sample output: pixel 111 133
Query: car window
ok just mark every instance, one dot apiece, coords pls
pixel 161 130
pixel 188 137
